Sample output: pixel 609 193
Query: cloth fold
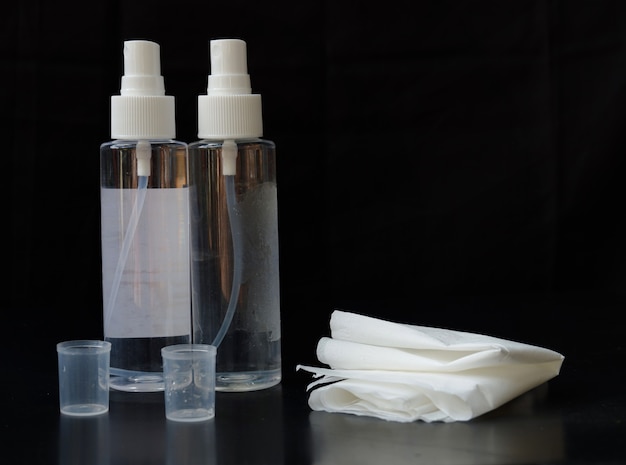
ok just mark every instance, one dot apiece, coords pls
pixel 401 372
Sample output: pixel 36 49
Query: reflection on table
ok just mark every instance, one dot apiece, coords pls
pixel 248 428
pixel 517 433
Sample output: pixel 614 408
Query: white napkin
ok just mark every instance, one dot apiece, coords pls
pixel 402 372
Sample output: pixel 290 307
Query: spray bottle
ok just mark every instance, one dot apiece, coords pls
pixel 145 225
pixel 234 228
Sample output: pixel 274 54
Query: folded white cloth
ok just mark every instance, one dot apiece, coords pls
pixel 402 372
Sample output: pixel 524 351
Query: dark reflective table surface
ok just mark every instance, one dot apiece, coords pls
pixel 579 417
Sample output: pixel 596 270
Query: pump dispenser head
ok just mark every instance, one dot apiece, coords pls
pixel 142 110
pixel 229 110
pixel 229 68
pixel 142 69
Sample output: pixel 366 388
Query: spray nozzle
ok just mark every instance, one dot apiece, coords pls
pixel 229 68
pixel 142 69
pixel 142 111
pixel 229 110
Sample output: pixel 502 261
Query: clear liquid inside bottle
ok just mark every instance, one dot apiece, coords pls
pixel 149 305
pixel 249 356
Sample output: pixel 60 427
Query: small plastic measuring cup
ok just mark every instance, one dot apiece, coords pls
pixel 189 375
pixel 84 377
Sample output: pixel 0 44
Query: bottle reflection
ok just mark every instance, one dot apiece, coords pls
pixel 249 427
pixel 513 434
pixel 84 440
pixel 137 428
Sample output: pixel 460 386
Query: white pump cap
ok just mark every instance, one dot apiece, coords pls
pixel 142 111
pixel 229 110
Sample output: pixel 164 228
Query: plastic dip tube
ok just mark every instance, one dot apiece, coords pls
pixel 189 375
pixel 83 377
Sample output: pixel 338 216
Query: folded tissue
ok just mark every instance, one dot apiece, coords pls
pixel 401 372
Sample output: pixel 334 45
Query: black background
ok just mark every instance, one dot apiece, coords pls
pixel 442 162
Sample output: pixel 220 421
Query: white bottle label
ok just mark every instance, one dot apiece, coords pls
pixel 153 299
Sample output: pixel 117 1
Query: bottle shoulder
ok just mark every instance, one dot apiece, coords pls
pixel 213 144
pixel 126 144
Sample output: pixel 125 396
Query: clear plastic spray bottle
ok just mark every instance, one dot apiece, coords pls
pixel 145 225
pixel 234 227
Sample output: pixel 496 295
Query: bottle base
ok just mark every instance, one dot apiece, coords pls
pixel 136 381
pixel 247 381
